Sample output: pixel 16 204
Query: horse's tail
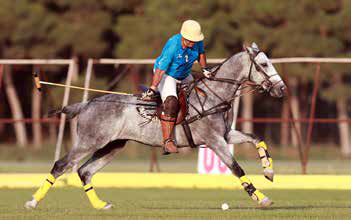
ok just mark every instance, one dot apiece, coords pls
pixel 70 110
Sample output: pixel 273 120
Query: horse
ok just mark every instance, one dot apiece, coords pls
pixel 106 123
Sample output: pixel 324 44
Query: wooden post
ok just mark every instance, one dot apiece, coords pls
pixel 1 74
pixel 1 77
pixel 36 110
pixel 63 116
pixel 16 109
pixel 294 102
pixel 73 121
pixel 87 79
pixel 284 126
pixel 311 118
pixel 247 111
pixel 296 130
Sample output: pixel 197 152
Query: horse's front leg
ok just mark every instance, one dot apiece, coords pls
pixel 224 154
pixel 237 137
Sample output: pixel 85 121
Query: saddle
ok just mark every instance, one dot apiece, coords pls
pixel 152 109
pixel 183 106
pixel 156 110
pixel 151 112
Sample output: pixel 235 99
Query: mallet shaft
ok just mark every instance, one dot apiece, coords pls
pixel 81 88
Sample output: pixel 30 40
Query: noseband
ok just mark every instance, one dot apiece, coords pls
pixel 266 84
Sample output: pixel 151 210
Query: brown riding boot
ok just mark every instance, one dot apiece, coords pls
pixel 167 124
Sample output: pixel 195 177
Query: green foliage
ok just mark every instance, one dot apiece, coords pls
pixel 140 28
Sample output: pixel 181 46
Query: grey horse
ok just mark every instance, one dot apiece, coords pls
pixel 106 123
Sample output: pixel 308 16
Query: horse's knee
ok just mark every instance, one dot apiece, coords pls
pixel 254 137
pixel 84 175
pixel 238 137
pixel 59 167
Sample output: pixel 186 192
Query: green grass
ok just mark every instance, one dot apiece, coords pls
pixel 71 203
pixel 181 165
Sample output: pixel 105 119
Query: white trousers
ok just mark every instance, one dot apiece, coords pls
pixel 168 85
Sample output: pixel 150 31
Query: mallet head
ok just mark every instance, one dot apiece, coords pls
pixel 37 81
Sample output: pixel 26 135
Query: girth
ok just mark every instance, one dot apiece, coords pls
pixel 220 108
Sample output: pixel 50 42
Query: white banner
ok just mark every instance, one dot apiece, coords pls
pixel 208 161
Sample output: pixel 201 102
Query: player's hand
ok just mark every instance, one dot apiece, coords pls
pixel 207 72
pixel 149 94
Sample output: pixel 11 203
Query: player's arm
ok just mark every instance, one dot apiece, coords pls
pixel 202 60
pixel 157 78
pixel 164 63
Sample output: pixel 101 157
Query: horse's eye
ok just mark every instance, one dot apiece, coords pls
pixel 264 64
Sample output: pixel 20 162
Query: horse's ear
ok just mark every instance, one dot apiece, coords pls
pixel 249 50
pixel 244 47
pixel 254 46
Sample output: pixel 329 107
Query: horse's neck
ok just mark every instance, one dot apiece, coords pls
pixel 235 69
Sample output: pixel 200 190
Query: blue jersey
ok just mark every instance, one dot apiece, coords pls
pixel 177 61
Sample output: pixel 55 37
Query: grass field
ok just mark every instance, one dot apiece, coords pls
pixel 71 203
pixel 179 165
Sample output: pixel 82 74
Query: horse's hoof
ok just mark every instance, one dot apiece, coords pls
pixel 265 202
pixel 107 206
pixel 31 204
pixel 268 173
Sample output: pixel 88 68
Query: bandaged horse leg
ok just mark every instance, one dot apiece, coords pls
pixel 254 193
pixel 59 168
pixel 99 159
pixel 168 121
pixel 237 137
pixel 222 151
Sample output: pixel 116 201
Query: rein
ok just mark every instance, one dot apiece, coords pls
pixel 224 105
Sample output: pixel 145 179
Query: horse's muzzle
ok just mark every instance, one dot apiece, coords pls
pixel 278 90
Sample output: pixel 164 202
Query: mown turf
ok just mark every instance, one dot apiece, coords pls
pixel 334 167
pixel 71 203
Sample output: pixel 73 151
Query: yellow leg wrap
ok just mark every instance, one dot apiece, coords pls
pixel 266 161
pixel 41 192
pixel 244 179
pixel 93 198
pixel 257 195
pixel 261 144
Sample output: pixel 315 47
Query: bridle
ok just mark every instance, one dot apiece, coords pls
pixel 266 84
pixel 225 105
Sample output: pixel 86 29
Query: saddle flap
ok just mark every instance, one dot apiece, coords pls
pixel 183 107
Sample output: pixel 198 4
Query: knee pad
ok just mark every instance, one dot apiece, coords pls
pixel 171 106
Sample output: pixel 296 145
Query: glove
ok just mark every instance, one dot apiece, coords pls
pixel 149 94
pixel 207 72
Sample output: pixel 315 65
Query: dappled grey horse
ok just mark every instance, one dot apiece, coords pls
pixel 106 123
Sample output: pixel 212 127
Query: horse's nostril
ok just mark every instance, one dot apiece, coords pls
pixel 283 88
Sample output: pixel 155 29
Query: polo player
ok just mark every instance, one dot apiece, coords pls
pixel 172 67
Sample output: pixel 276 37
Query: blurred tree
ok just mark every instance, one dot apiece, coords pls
pixel 16 109
pixel 144 33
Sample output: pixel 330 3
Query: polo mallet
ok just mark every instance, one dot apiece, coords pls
pixel 38 83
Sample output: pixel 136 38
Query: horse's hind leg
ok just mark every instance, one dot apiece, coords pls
pixel 227 158
pixel 59 168
pixel 99 159
pixel 237 137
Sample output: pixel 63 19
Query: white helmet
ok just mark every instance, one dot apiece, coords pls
pixel 191 30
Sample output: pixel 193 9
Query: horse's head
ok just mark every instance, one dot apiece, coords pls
pixel 262 72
